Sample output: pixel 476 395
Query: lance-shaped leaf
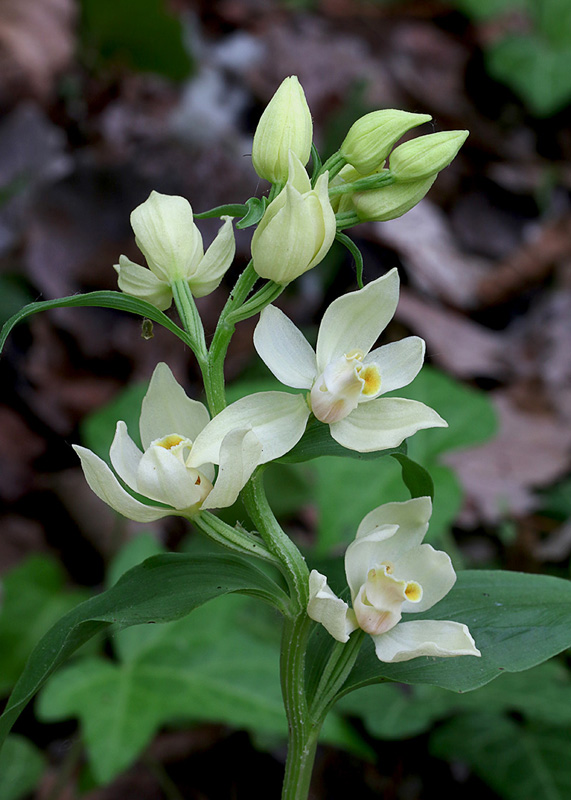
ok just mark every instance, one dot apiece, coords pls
pixel 161 589
pixel 106 299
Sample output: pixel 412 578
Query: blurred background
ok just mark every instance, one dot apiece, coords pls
pixel 102 102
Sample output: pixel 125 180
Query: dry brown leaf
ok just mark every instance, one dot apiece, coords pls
pixel 426 245
pixel 454 342
pixel 531 450
pixel 37 42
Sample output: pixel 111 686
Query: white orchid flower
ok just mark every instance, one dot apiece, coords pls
pixel 172 469
pixel 390 573
pixel 172 245
pixel 345 377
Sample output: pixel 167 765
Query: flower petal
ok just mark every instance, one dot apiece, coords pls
pixel 166 409
pixel 216 261
pixel 440 638
pixel 398 363
pixel 239 456
pixel 163 477
pixel 383 423
pixel 278 419
pixel 367 553
pixel 432 569
pixel 284 349
pixel 325 607
pixel 167 236
pixel 105 485
pixel 125 456
pixel 411 516
pixel 355 320
pixel 142 283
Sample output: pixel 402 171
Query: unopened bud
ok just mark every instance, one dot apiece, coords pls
pixel 285 125
pixel 426 155
pixel 372 137
pixel 297 229
pixel 390 202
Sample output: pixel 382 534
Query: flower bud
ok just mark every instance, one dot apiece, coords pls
pixel 297 229
pixel 285 125
pixel 172 245
pixel 426 155
pixel 390 202
pixel 371 138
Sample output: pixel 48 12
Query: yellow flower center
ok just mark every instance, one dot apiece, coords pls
pixel 170 441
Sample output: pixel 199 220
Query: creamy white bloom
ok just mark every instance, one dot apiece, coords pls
pixel 345 377
pixel 172 245
pixel 172 470
pixel 390 573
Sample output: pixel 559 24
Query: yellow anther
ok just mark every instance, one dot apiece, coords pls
pixel 372 378
pixel 413 591
pixel 170 441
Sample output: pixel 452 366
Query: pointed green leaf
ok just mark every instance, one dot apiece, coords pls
pixel 117 300
pixel 519 762
pixel 21 766
pixel 417 480
pixel 162 588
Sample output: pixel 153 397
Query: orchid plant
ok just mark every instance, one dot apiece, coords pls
pixel 198 457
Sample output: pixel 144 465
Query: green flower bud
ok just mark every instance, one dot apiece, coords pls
pixel 392 201
pixel 371 138
pixel 297 229
pixel 285 125
pixel 425 156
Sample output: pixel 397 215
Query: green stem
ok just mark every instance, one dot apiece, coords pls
pixel 239 541
pixel 213 373
pixel 340 663
pixel 303 732
pixel 263 297
pixel 370 183
pixel 333 165
pixel 277 541
pixel 230 210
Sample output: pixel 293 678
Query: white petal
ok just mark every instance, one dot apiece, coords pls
pixel 163 477
pixel 432 569
pixel 383 423
pixel 284 349
pixel 355 320
pixel 106 486
pixel 239 456
pixel 125 456
pixel 166 409
pixel 398 363
pixel 440 638
pixel 325 607
pixel 167 236
pixel 142 283
pixel 278 420
pixel 367 553
pixel 216 261
pixel 411 516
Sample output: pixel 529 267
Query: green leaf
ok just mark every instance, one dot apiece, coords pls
pixel 139 33
pixel 539 72
pixel 517 621
pixel 256 207
pixel 34 598
pixel 14 293
pixel 394 711
pixel 161 589
pixel 21 767
pixel 117 300
pixel 520 763
pixel 417 480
